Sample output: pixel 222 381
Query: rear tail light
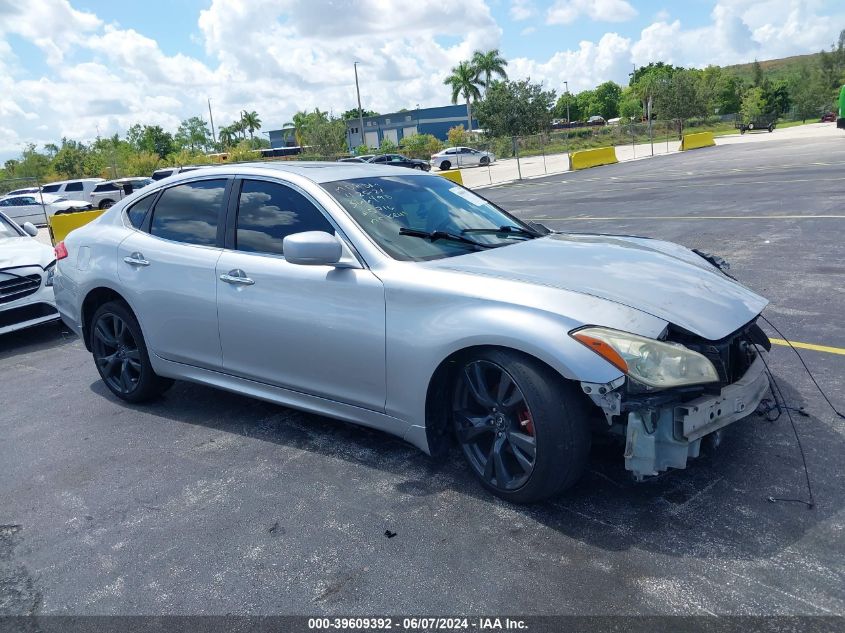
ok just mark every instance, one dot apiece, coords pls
pixel 60 250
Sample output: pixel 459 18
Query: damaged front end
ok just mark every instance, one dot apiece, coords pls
pixel 663 426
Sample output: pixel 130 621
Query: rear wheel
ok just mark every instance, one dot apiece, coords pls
pixel 105 204
pixel 521 427
pixel 445 165
pixel 121 357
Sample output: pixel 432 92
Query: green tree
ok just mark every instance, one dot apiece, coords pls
pixel 753 104
pixel 487 64
pixel 193 134
pixel 70 159
pixel 605 100
pixel 32 164
pixel 464 83
pixel 420 145
pixel 323 134
pixel 516 108
pixel 456 136
pixel 678 97
pixel 228 136
pixel 251 122
pixel 574 110
pixel 630 106
pixel 808 93
pixel 728 95
pixel 151 138
pixel 757 74
pixel 142 163
pixel 352 114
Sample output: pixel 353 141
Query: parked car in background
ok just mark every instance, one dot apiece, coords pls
pixel 107 193
pixel 596 120
pixel 404 302
pixel 829 117
pixel 21 192
pixel 461 157
pixel 37 208
pixel 398 160
pixel 79 189
pixel 166 172
pixel 363 158
pixel 26 277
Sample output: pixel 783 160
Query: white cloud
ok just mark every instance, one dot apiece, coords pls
pixel 299 54
pixel 568 11
pixel 522 10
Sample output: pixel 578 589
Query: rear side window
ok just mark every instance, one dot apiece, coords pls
pixel 74 186
pixel 50 188
pixel 189 213
pixel 138 211
pixel 109 186
pixel 268 212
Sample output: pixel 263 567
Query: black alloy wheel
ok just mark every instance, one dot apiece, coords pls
pixel 116 354
pixel 445 165
pixel 485 161
pixel 494 425
pixel 120 354
pixel 523 429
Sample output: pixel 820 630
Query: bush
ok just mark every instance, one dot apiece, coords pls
pixel 420 145
pixel 456 136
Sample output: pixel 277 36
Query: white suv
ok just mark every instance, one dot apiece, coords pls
pixel 79 189
pixel 107 193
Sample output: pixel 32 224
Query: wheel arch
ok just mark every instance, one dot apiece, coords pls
pixel 93 300
pixel 437 397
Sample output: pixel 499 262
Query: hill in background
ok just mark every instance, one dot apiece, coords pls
pixel 774 69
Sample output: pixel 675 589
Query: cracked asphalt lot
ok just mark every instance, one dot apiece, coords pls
pixel 206 502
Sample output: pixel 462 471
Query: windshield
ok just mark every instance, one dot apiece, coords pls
pixel 7 230
pixel 388 206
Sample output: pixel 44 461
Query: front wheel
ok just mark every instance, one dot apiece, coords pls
pixel 485 161
pixel 522 428
pixel 121 357
pixel 445 165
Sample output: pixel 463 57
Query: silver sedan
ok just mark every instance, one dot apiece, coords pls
pixel 407 303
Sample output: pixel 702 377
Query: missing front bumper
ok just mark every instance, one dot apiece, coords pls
pixel 665 437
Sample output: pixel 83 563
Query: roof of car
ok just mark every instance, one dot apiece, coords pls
pixel 318 172
pixel 62 182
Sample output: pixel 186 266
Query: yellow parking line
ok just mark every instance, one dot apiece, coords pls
pixel 812 346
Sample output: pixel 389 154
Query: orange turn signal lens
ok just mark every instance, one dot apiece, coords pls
pixel 602 349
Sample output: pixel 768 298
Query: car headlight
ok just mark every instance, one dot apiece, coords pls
pixel 51 273
pixel 658 364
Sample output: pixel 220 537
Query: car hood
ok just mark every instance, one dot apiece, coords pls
pixel 70 204
pixel 24 251
pixel 660 278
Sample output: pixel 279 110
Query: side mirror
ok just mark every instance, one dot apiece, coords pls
pixel 29 229
pixel 312 248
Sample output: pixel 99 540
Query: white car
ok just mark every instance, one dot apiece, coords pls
pixel 20 192
pixel 461 157
pixel 26 278
pixel 37 208
pixel 107 193
pixel 78 189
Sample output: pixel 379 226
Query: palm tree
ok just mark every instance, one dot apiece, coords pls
pixel 464 82
pixel 489 64
pixel 298 124
pixel 251 122
pixel 227 135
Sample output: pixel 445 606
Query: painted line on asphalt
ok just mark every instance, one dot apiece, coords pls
pixel 691 217
pixel 811 346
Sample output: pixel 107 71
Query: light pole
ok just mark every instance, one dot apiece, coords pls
pixel 360 111
pixel 568 97
pixel 210 116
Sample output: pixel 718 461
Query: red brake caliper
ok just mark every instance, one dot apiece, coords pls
pixel 526 422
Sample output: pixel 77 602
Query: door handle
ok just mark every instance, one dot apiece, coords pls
pixel 136 259
pixel 237 276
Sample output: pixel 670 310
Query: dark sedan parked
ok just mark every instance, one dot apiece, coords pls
pixel 397 160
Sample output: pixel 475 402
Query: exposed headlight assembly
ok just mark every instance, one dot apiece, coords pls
pixel 658 364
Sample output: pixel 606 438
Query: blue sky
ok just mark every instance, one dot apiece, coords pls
pixel 78 67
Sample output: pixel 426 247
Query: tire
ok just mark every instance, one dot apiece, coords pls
pixel 120 354
pixel 771 129
pixel 750 126
pixel 531 408
pixel 445 165
pixel 105 204
pixel 484 161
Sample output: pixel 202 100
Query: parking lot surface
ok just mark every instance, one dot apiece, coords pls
pixel 206 502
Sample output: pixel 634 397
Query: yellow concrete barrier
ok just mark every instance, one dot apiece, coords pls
pixel 454 176
pixel 63 223
pixel 699 139
pixel 592 157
